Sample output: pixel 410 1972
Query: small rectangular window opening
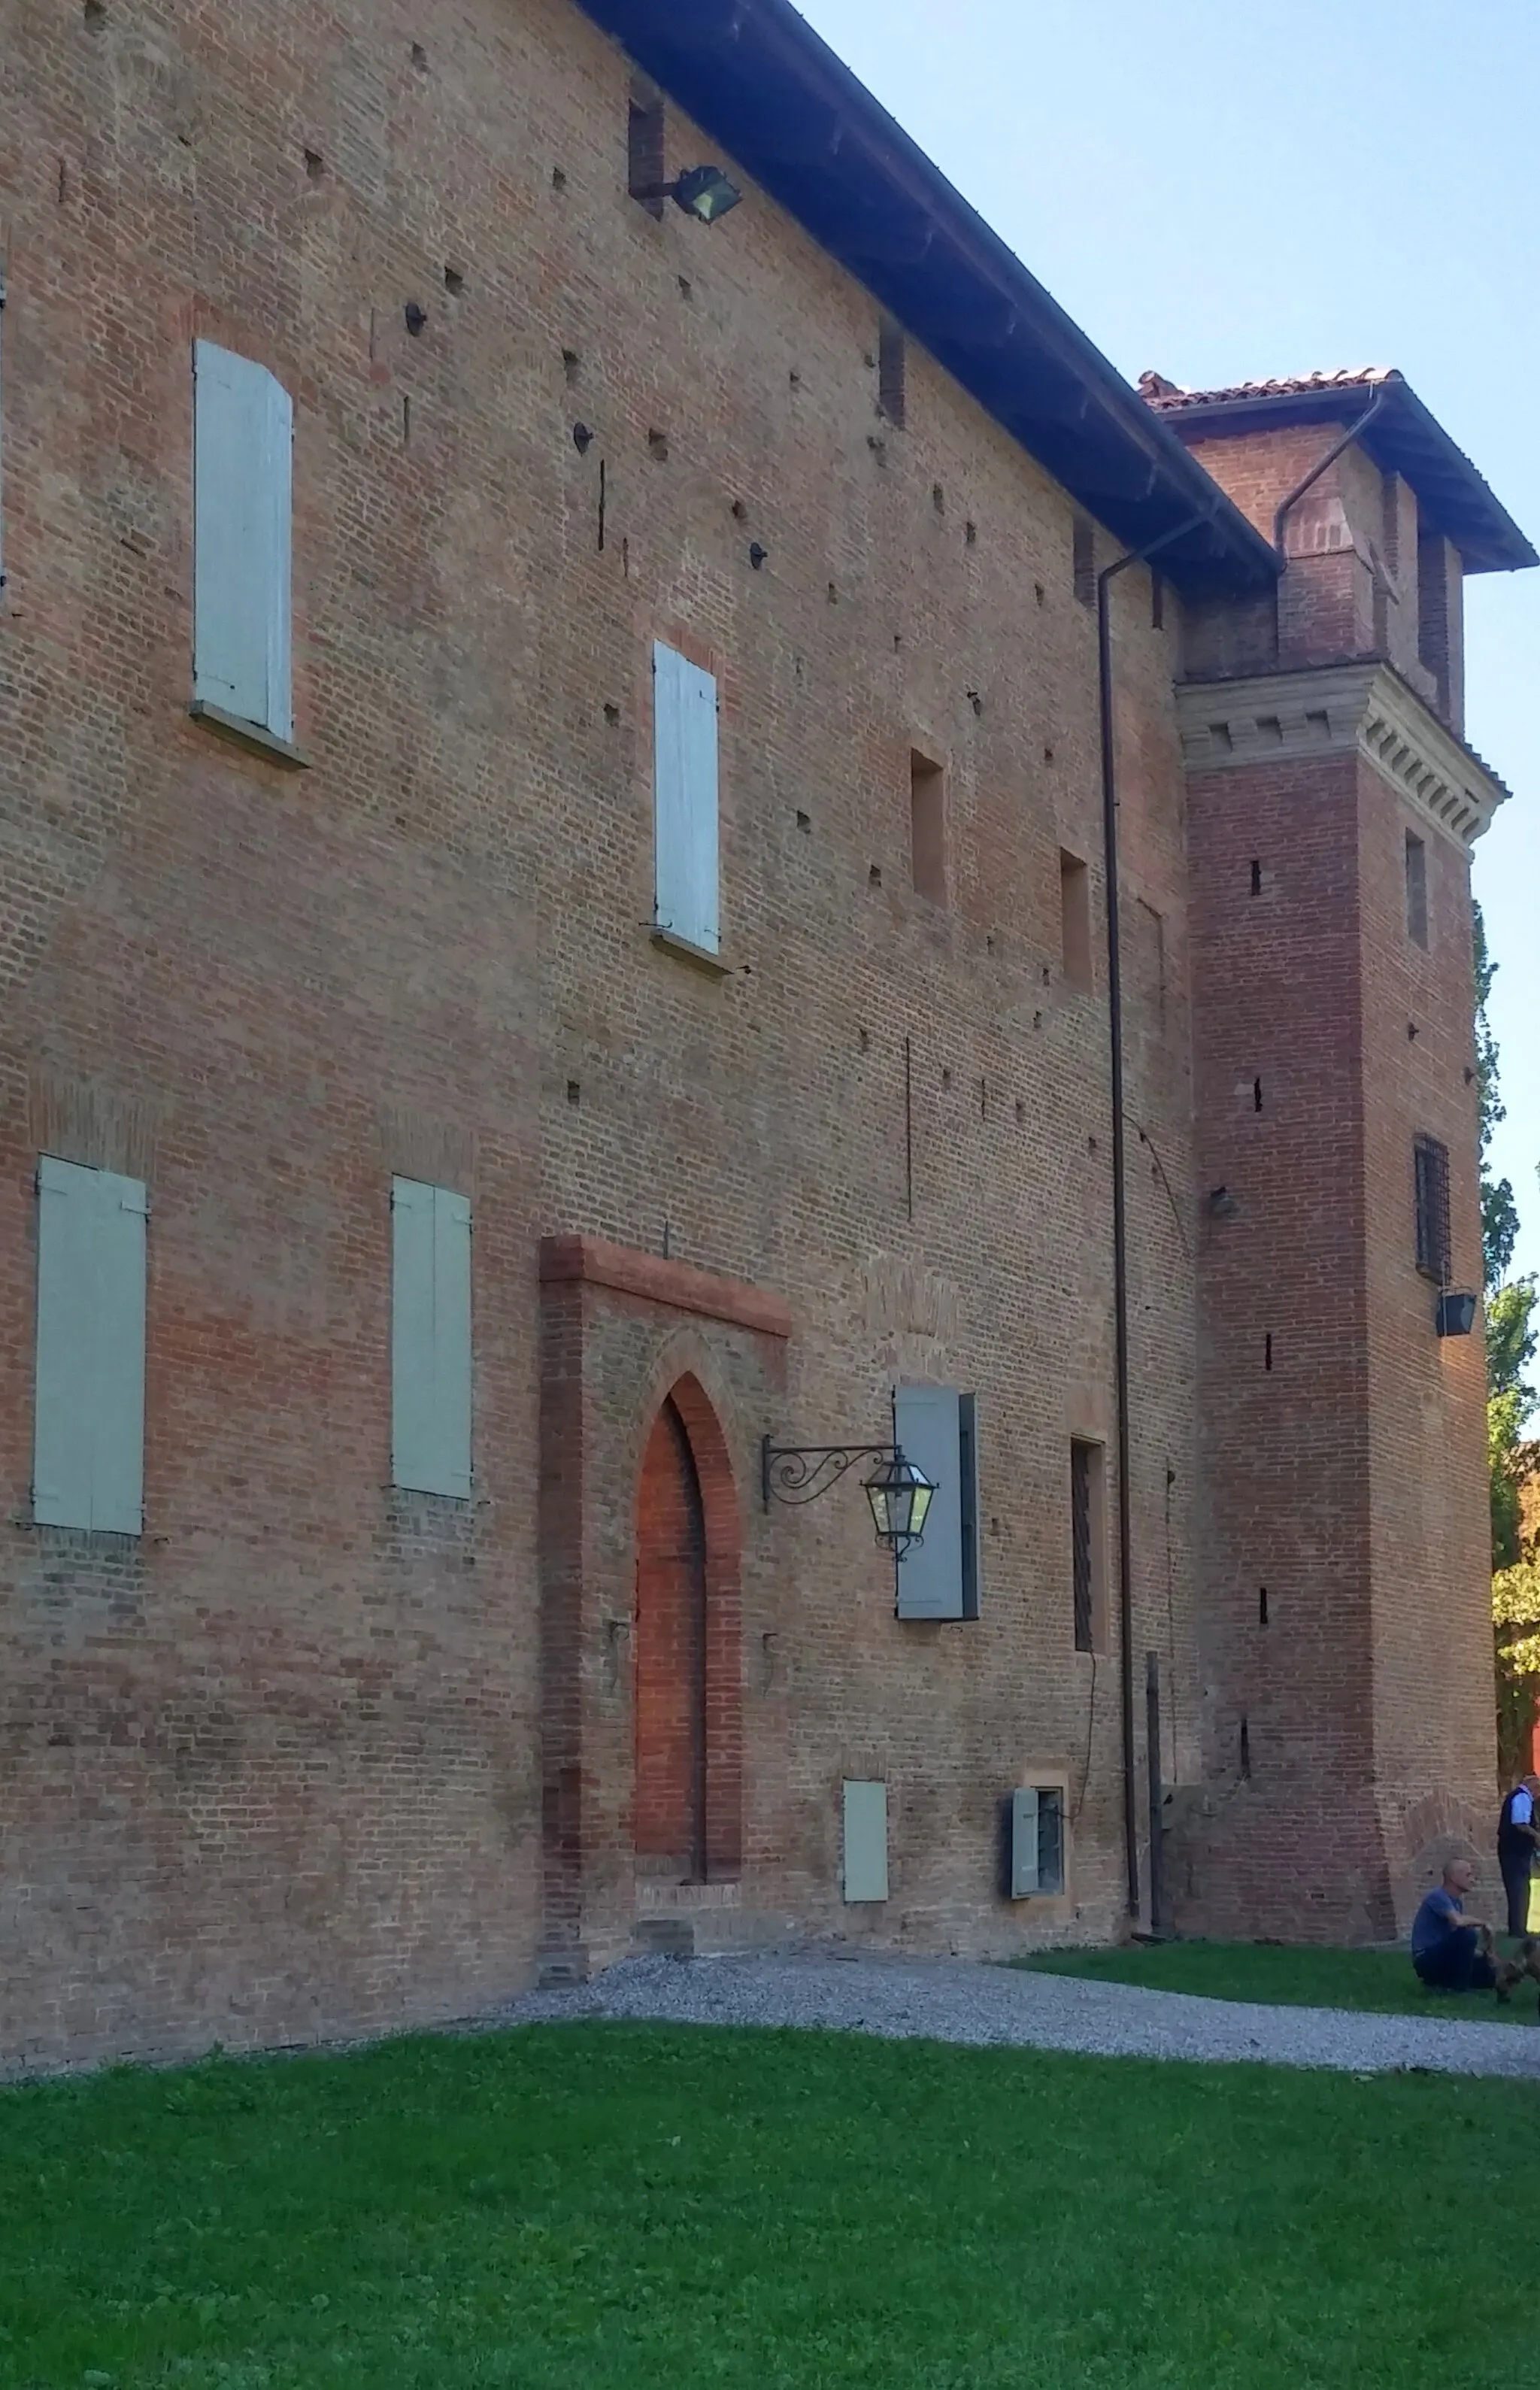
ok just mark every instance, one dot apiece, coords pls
pixel 1050 1839
pixel 646 171
pixel 1430 1168
pixel 1087 1466
pixel 1246 1748
pixel 1085 554
pixel 1262 1606
pixel 928 826
pixel 892 361
pixel 1417 889
pixel 1074 902
pixel 1256 878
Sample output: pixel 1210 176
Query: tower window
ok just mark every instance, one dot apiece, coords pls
pixel 1431 1167
pixel 1417 889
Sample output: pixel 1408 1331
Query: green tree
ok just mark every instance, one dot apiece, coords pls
pixel 1511 1340
pixel 1499 1212
pixel 1512 1337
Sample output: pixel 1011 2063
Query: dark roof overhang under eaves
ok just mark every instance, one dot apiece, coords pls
pixel 756 78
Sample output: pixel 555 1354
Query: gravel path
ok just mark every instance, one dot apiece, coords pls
pixel 950 2001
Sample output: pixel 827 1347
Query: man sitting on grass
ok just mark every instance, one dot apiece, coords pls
pixel 1447 1945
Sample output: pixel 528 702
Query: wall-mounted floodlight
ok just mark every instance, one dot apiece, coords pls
pixel 702 192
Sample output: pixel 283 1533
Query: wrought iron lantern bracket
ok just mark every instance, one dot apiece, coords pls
pixel 899 1494
pixel 800 1472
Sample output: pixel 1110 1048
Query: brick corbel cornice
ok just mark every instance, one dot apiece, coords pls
pixel 591 1261
pixel 1363 708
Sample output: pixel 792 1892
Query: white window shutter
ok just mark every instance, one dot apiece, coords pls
pixel 685 799
pixel 2 417
pixel 451 1337
pixel 931 1572
pixel 89 1412
pixel 62 1401
pixel 1025 1871
pixel 243 473
pixel 866 1841
pixel 118 1486
pixel 431 1361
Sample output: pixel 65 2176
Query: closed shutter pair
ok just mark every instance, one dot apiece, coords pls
pixel 88 1415
pixel 937 1429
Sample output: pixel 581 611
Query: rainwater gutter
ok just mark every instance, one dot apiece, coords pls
pixel 1119 1178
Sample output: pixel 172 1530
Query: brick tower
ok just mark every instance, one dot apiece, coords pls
pixel 1346 1642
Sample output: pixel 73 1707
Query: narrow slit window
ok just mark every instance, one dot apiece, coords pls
pixel 646 173
pixel 1431 1169
pixel 1085 559
pixel 892 371
pixel 1417 889
pixel 1086 1467
pixel 928 826
pixel 1074 906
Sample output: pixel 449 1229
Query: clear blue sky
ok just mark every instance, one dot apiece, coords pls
pixel 1230 189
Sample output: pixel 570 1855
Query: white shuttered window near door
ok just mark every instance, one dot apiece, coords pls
pixel 88 1423
pixel 243 474
pixel 431 1340
pixel 685 799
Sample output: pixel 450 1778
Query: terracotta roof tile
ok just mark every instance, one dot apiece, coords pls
pixel 1402 436
pixel 1166 396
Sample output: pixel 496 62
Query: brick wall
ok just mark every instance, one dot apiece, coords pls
pixel 311 1755
pixel 1346 1637
pixel 1356 582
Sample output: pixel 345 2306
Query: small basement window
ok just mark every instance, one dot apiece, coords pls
pixel 1037 1841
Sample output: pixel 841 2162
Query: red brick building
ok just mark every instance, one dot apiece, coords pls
pixel 556 926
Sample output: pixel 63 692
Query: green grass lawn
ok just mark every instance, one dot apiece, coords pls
pixel 1292 1977
pixel 572 2207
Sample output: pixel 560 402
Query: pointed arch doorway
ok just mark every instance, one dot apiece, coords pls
pixel 688 1765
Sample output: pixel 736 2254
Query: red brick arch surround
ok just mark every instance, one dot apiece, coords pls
pixel 633 1345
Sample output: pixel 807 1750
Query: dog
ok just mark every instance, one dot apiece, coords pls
pixel 1512 1973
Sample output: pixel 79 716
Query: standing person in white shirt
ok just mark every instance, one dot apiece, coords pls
pixel 1518 1840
